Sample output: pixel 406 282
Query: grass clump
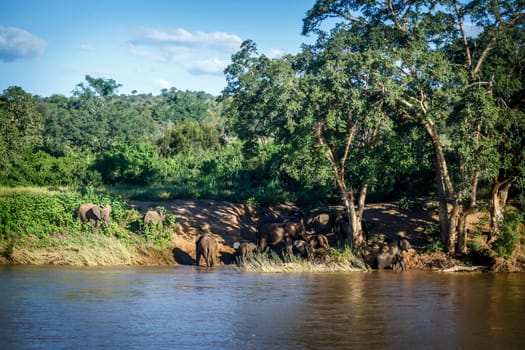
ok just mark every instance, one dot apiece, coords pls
pixel 337 260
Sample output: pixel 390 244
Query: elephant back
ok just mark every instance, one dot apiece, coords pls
pixel 83 210
pixel 153 216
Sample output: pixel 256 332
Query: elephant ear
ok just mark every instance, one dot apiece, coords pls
pixel 97 211
pixel 107 208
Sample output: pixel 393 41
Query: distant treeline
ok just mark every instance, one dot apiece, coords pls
pixel 179 140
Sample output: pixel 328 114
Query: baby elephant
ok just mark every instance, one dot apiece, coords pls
pixel 154 216
pixel 244 248
pixel 207 248
pixel 93 213
pixel 390 255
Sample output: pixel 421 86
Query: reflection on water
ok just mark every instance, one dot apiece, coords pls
pixel 188 307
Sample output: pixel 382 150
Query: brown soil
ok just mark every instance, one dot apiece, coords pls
pixel 230 222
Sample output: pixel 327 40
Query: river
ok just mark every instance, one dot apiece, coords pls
pixel 197 308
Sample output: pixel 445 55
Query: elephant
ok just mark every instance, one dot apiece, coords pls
pixel 272 231
pixel 391 255
pixel 206 247
pixel 322 223
pixel 244 248
pixel 319 245
pixel 302 249
pixel 154 216
pixel 93 213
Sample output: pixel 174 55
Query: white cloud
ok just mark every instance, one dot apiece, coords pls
pixel 17 44
pixel 196 52
pixel 208 66
pixel 181 37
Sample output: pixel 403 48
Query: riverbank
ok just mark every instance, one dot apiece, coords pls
pixel 231 222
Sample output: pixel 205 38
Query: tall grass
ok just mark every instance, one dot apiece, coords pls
pixel 338 260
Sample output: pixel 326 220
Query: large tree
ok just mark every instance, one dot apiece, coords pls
pixel 317 103
pixel 425 83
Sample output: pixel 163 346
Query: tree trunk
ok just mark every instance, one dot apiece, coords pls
pixel 358 237
pixel 462 226
pixel 447 224
pixel 354 229
pixel 498 200
pixel 453 223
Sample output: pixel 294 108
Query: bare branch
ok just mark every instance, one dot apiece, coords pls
pixel 394 16
pixel 478 84
pixel 484 55
pixel 464 36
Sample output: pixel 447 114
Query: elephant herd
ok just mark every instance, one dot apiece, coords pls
pixel 289 234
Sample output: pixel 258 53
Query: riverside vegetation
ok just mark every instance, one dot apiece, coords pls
pixel 39 226
pixel 395 102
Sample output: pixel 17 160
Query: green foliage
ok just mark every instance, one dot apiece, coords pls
pixel 187 137
pixel 344 255
pixel 38 215
pixel 511 234
pixel 98 86
pixel 40 168
pixel 159 234
pixel 178 106
pixel 20 131
pixel 136 164
pixel 42 215
pixel 434 243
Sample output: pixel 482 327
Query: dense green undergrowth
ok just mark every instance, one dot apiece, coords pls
pixel 46 221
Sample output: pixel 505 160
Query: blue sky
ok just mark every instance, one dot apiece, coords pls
pixel 48 47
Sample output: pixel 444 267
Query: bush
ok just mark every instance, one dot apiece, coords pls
pixel 42 169
pixel 137 164
pixel 38 214
pixel 434 243
pixel 511 234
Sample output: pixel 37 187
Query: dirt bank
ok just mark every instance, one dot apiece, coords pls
pixel 230 222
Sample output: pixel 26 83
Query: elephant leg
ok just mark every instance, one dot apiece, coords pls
pixel 402 262
pixel 262 244
pixel 288 246
pixel 198 257
pixel 207 258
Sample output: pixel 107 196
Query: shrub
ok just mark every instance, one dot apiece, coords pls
pixel 511 233
pixel 434 244
pixel 137 164
pixel 38 214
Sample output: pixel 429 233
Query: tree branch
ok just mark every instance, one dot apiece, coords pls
pixel 464 36
pixel 484 55
pixel 349 139
pixel 394 16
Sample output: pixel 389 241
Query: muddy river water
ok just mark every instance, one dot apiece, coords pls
pixel 198 308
